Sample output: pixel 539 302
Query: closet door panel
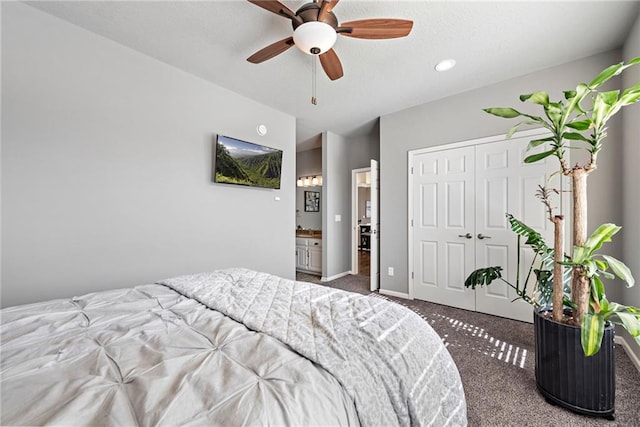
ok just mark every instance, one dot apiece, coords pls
pixel 442 215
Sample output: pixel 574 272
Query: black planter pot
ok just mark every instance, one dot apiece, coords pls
pixel 566 377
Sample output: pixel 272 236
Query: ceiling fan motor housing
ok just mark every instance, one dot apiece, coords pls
pixel 309 12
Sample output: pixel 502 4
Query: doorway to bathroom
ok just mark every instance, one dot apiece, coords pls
pixel 364 221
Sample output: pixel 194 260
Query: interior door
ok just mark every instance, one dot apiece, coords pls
pixel 504 183
pixel 374 240
pixel 443 226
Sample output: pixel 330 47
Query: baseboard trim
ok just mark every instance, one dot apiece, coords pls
pixel 394 294
pixel 334 277
pixel 627 349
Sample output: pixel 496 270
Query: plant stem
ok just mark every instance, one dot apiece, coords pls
pixel 558 248
pixel 580 283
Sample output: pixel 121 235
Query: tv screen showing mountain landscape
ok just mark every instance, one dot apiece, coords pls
pixel 244 163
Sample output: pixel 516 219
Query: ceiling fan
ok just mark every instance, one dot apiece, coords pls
pixel 316 28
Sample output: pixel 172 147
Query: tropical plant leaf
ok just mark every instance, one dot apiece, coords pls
pixel 631 323
pixel 635 60
pixel 581 91
pixel 629 98
pixel 507 113
pixel 600 110
pixel 554 111
pixel 541 98
pixel 537 157
pixel 606 74
pixel 591 332
pixel 575 136
pixel 620 270
pixel 597 288
pixel 515 128
pixel 483 277
pixel 581 125
pixel 602 235
pixel 610 97
pixel 536 142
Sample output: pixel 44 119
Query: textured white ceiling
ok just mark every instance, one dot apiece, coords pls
pixel 491 42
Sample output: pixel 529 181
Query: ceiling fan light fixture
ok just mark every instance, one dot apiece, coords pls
pixel 314 38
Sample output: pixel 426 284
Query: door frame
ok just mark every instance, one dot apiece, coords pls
pixel 442 147
pixel 354 220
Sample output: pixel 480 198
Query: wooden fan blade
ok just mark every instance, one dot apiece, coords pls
pixel 271 50
pixel 326 8
pixel 379 28
pixel 331 64
pixel 274 6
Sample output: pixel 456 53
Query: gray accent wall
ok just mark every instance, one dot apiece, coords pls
pixel 336 236
pixel 631 188
pixel 106 168
pixel 340 156
pixel 460 118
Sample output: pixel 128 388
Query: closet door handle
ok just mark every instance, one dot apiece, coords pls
pixel 482 236
pixel 466 236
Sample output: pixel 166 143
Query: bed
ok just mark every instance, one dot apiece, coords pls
pixel 231 347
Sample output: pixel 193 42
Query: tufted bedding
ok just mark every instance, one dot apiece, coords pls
pixel 232 347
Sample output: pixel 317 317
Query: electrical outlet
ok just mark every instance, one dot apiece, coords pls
pixel 338 218
pixel 390 271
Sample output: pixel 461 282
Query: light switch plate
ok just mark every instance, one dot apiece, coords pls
pixel 338 218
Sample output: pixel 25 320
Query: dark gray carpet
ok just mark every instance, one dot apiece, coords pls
pixel 495 357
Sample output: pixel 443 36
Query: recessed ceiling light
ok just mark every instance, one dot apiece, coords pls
pixel 445 64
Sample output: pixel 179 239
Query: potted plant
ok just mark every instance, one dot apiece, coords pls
pixel 569 299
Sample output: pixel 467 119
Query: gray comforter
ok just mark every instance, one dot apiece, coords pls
pixel 152 356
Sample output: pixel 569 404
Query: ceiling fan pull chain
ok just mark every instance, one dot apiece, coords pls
pixel 314 100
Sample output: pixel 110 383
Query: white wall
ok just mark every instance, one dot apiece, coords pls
pixel 106 168
pixel 460 118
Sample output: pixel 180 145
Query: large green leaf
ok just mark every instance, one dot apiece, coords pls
pixel 541 98
pixel 581 92
pixel 580 124
pixel 631 323
pixel 554 111
pixel 505 112
pixel 537 157
pixel 620 269
pixel 600 110
pixel 635 60
pixel 606 74
pixel 483 277
pixel 610 97
pixel 575 136
pixel 602 235
pixel 515 128
pixel 629 98
pixel 597 288
pixel 591 332
pixel 534 143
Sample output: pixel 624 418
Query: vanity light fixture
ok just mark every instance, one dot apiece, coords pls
pixel 309 181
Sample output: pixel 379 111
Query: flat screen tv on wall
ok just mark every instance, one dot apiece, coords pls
pixel 244 163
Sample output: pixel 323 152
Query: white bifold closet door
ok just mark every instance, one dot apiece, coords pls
pixel 460 198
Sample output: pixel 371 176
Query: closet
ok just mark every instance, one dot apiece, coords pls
pixel 458 197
